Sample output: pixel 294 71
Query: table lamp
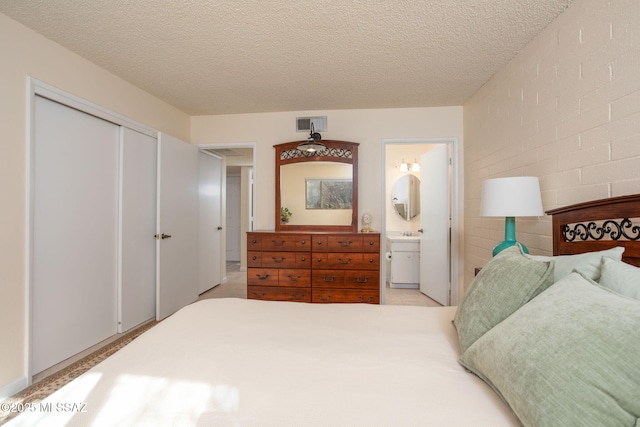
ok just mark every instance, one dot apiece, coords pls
pixel 511 197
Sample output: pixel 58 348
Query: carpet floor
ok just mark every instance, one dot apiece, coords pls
pixel 40 390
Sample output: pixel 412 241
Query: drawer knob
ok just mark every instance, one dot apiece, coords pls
pixel 294 278
pixel 345 244
pixel 365 280
pixel 255 294
pixel 304 242
pixel 348 261
pixel 276 260
pixel 265 277
pixel 297 296
pixel 303 259
pixel 367 300
pixel 275 243
pixel 328 280
pixel 371 260
pixel 327 298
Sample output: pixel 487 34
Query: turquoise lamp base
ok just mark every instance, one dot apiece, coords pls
pixel 509 237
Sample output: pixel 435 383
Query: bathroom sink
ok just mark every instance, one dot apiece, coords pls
pixel 399 237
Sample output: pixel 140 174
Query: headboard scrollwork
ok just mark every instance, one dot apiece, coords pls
pixel 611 229
pixel 598 225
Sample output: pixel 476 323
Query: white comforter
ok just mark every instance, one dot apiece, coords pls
pixel 233 362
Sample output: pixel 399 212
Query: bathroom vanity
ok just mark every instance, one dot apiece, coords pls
pixel 404 254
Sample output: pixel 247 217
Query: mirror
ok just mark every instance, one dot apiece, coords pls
pixel 317 191
pixel 405 197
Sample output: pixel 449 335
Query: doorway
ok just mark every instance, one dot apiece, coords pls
pixel 238 200
pixel 402 160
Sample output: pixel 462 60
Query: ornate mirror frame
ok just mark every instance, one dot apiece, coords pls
pixel 336 151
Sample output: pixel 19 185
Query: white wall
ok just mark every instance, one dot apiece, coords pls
pixel 367 127
pixel 566 109
pixel 26 53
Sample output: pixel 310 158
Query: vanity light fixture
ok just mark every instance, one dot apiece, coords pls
pixel 406 167
pixel 312 144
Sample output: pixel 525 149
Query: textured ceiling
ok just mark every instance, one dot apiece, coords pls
pixel 242 56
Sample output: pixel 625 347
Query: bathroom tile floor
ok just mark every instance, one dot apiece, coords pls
pixel 236 287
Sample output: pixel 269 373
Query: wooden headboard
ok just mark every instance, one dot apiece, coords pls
pixel 598 225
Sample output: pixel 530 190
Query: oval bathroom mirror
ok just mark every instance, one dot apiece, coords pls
pixel 405 197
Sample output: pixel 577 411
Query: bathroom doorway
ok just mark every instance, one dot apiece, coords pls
pixel 420 230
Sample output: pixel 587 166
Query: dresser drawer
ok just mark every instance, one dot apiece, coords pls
pixel 279 242
pixel 254 259
pixel 319 260
pixel 345 279
pixel 345 296
pixel 362 279
pixel 303 242
pixel 279 293
pixel 328 278
pixel 262 277
pixel 254 242
pixel 345 243
pixel 294 278
pixel 371 243
pixel 355 261
pixel 320 243
pixel 303 260
pixel 279 259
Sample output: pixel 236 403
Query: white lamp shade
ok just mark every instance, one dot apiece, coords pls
pixel 513 196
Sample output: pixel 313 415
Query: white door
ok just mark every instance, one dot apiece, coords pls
pixel 138 172
pixel 435 223
pixel 209 222
pixel 234 215
pixel 177 231
pixel 75 232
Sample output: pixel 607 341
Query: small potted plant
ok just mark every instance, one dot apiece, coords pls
pixel 285 215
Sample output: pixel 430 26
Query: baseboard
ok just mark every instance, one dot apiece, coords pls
pixel 10 389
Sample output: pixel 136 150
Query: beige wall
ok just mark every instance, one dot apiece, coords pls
pixel 367 127
pixel 566 109
pixel 26 53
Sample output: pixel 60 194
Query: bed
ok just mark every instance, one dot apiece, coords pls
pixel 497 360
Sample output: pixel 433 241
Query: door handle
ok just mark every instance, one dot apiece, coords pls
pixel 219 228
pixel 421 231
pixel 162 236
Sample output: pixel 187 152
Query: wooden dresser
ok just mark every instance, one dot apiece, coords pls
pixel 319 267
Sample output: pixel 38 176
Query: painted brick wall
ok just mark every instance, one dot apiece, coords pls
pixel 566 109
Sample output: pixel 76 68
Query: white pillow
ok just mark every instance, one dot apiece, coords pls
pixel 588 263
pixel 620 277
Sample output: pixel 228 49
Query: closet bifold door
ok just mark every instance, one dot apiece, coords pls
pixel 75 232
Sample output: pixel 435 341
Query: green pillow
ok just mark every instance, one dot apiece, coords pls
pixel 503 285
pixel 567 358
pixel 587 263
pixel 620 277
